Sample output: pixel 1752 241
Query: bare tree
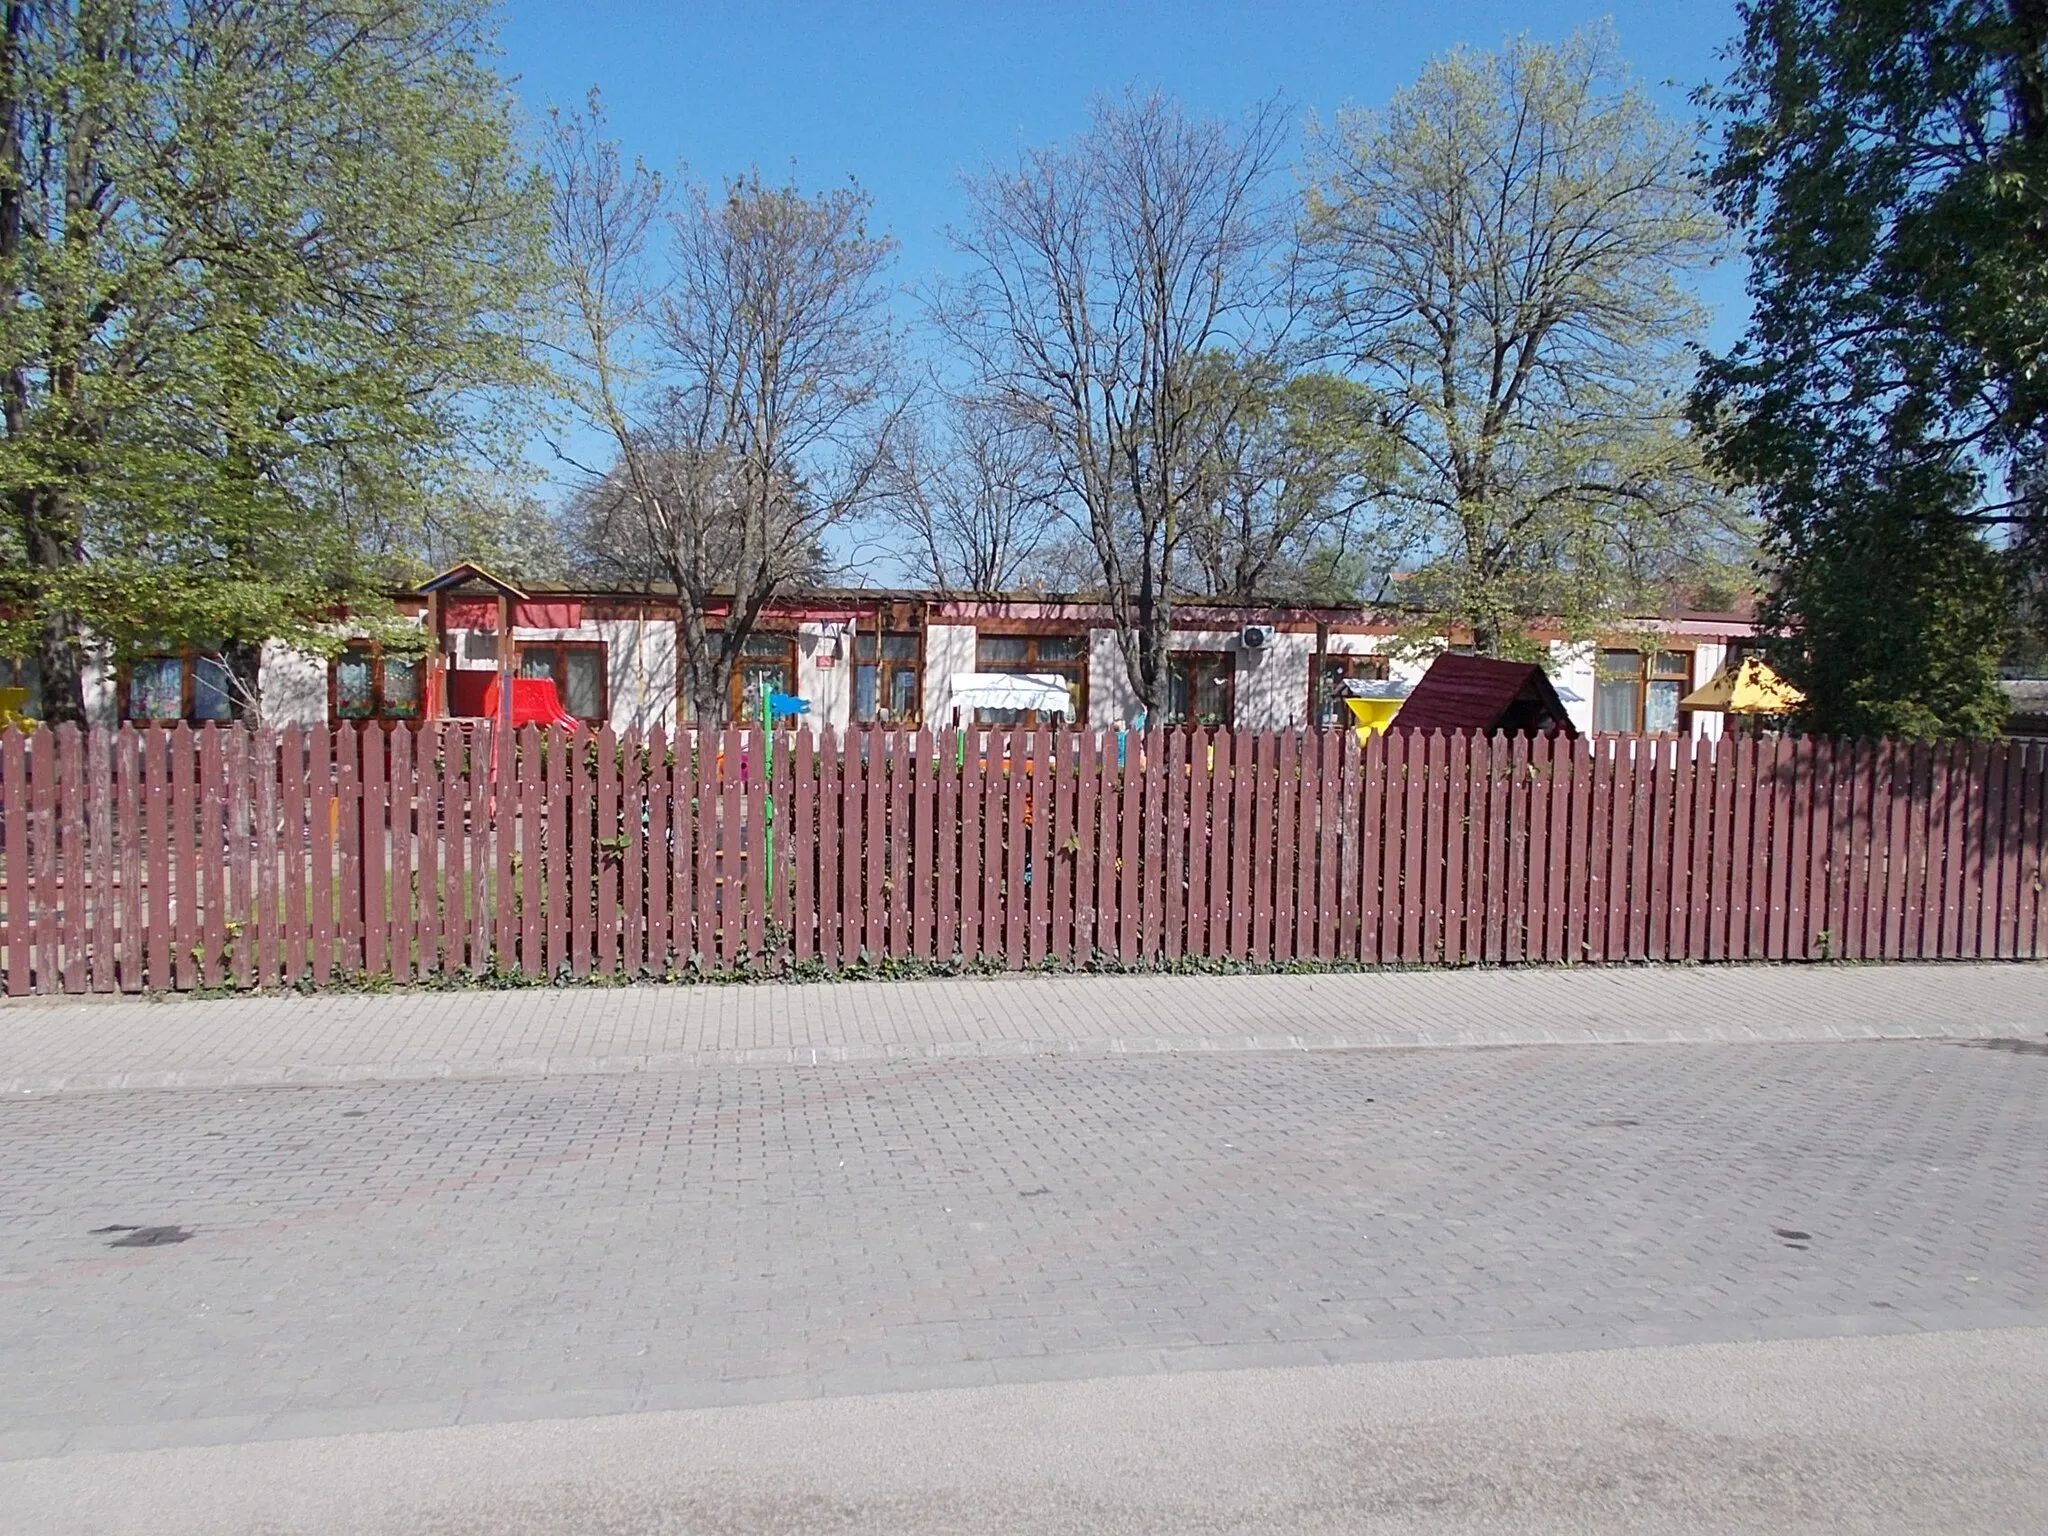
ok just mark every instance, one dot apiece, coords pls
pixel 610 539
pixel 743 383
pixel 1102 271
pixel 1507 252
pixel 975 496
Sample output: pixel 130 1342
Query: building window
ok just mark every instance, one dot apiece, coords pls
pixel 767 661
pixel 369 684
pixel 577 669
pixel 887 686
pixel 1201 687
pixel 1061 656
pixel 1637 692
pixel 1326 692
pixel 162 690
pixel 21 687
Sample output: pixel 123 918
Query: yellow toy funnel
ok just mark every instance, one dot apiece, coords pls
pixel 1373 715
pixel 13 709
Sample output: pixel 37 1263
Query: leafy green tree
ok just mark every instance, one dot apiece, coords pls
pixel 1292 467
pixel 1507 254
pixel 262 269
pixel 1888 164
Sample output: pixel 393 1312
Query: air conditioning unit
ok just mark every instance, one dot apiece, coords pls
pixel 1255 637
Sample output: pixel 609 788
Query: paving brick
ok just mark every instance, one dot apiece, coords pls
pixel 379 1254
pixel 325 1040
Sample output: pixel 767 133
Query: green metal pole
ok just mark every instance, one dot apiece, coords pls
pixel 767 778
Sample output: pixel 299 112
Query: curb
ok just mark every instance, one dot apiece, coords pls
pixel 284 1075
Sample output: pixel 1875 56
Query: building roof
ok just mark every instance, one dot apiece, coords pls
pixel 470 577
pixel 1478 693
pixel 966 607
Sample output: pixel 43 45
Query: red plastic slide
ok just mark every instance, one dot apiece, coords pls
pixel 534 700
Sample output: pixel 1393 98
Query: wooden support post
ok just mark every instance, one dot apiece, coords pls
pixel 505 668
pixel 433 685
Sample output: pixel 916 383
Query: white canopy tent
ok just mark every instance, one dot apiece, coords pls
pixel 1044 692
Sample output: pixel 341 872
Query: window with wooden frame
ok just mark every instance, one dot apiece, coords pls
pixel 577 668
pixel 767 660
pixel 888 683
pixel 1201 687
pixel 1061 656
pixel 1331 672
pixel 368 683
pixel 194 686
pixel 1636 692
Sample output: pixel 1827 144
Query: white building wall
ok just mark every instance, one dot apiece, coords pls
pixel 1708 658
pixel 1571 673
pixel 1400 669
pixel 639 663
pixel 460 659
pixel 100 687
pixel 948 651
pixel 293 684
pixel 1572 670
pixel 640 670
pixel 1112 701
pixel 641 655
pixel 1272 682
pixel 824 680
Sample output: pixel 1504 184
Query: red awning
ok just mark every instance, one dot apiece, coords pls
pixel 551 615
pixel 482 613
pixel 469 613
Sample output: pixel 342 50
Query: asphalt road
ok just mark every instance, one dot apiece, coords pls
pixel 1261 1291
pixel 1939 1432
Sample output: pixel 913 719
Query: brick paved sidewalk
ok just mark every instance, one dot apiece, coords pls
pixel 49 1047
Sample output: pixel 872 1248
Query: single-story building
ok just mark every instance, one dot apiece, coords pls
pixel 896 656
pixel 2028 697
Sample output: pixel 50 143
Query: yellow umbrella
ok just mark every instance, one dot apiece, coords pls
pixel 1747 688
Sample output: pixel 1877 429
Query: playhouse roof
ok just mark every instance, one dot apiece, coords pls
pixel 1479 693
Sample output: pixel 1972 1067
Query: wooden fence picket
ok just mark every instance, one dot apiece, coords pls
pixel 150 858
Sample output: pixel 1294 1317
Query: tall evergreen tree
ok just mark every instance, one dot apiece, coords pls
pixel 1888 163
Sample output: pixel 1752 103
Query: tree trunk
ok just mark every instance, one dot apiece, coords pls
pixel 60 655
pixel 244 661
pixel 703 675
pixel 60 650
pixel 1153 632
pixel 1479 601
pixel 708 698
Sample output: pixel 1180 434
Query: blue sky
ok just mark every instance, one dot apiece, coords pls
pixel 904 97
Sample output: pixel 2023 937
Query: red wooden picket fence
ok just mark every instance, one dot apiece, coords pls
pixel 150 859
